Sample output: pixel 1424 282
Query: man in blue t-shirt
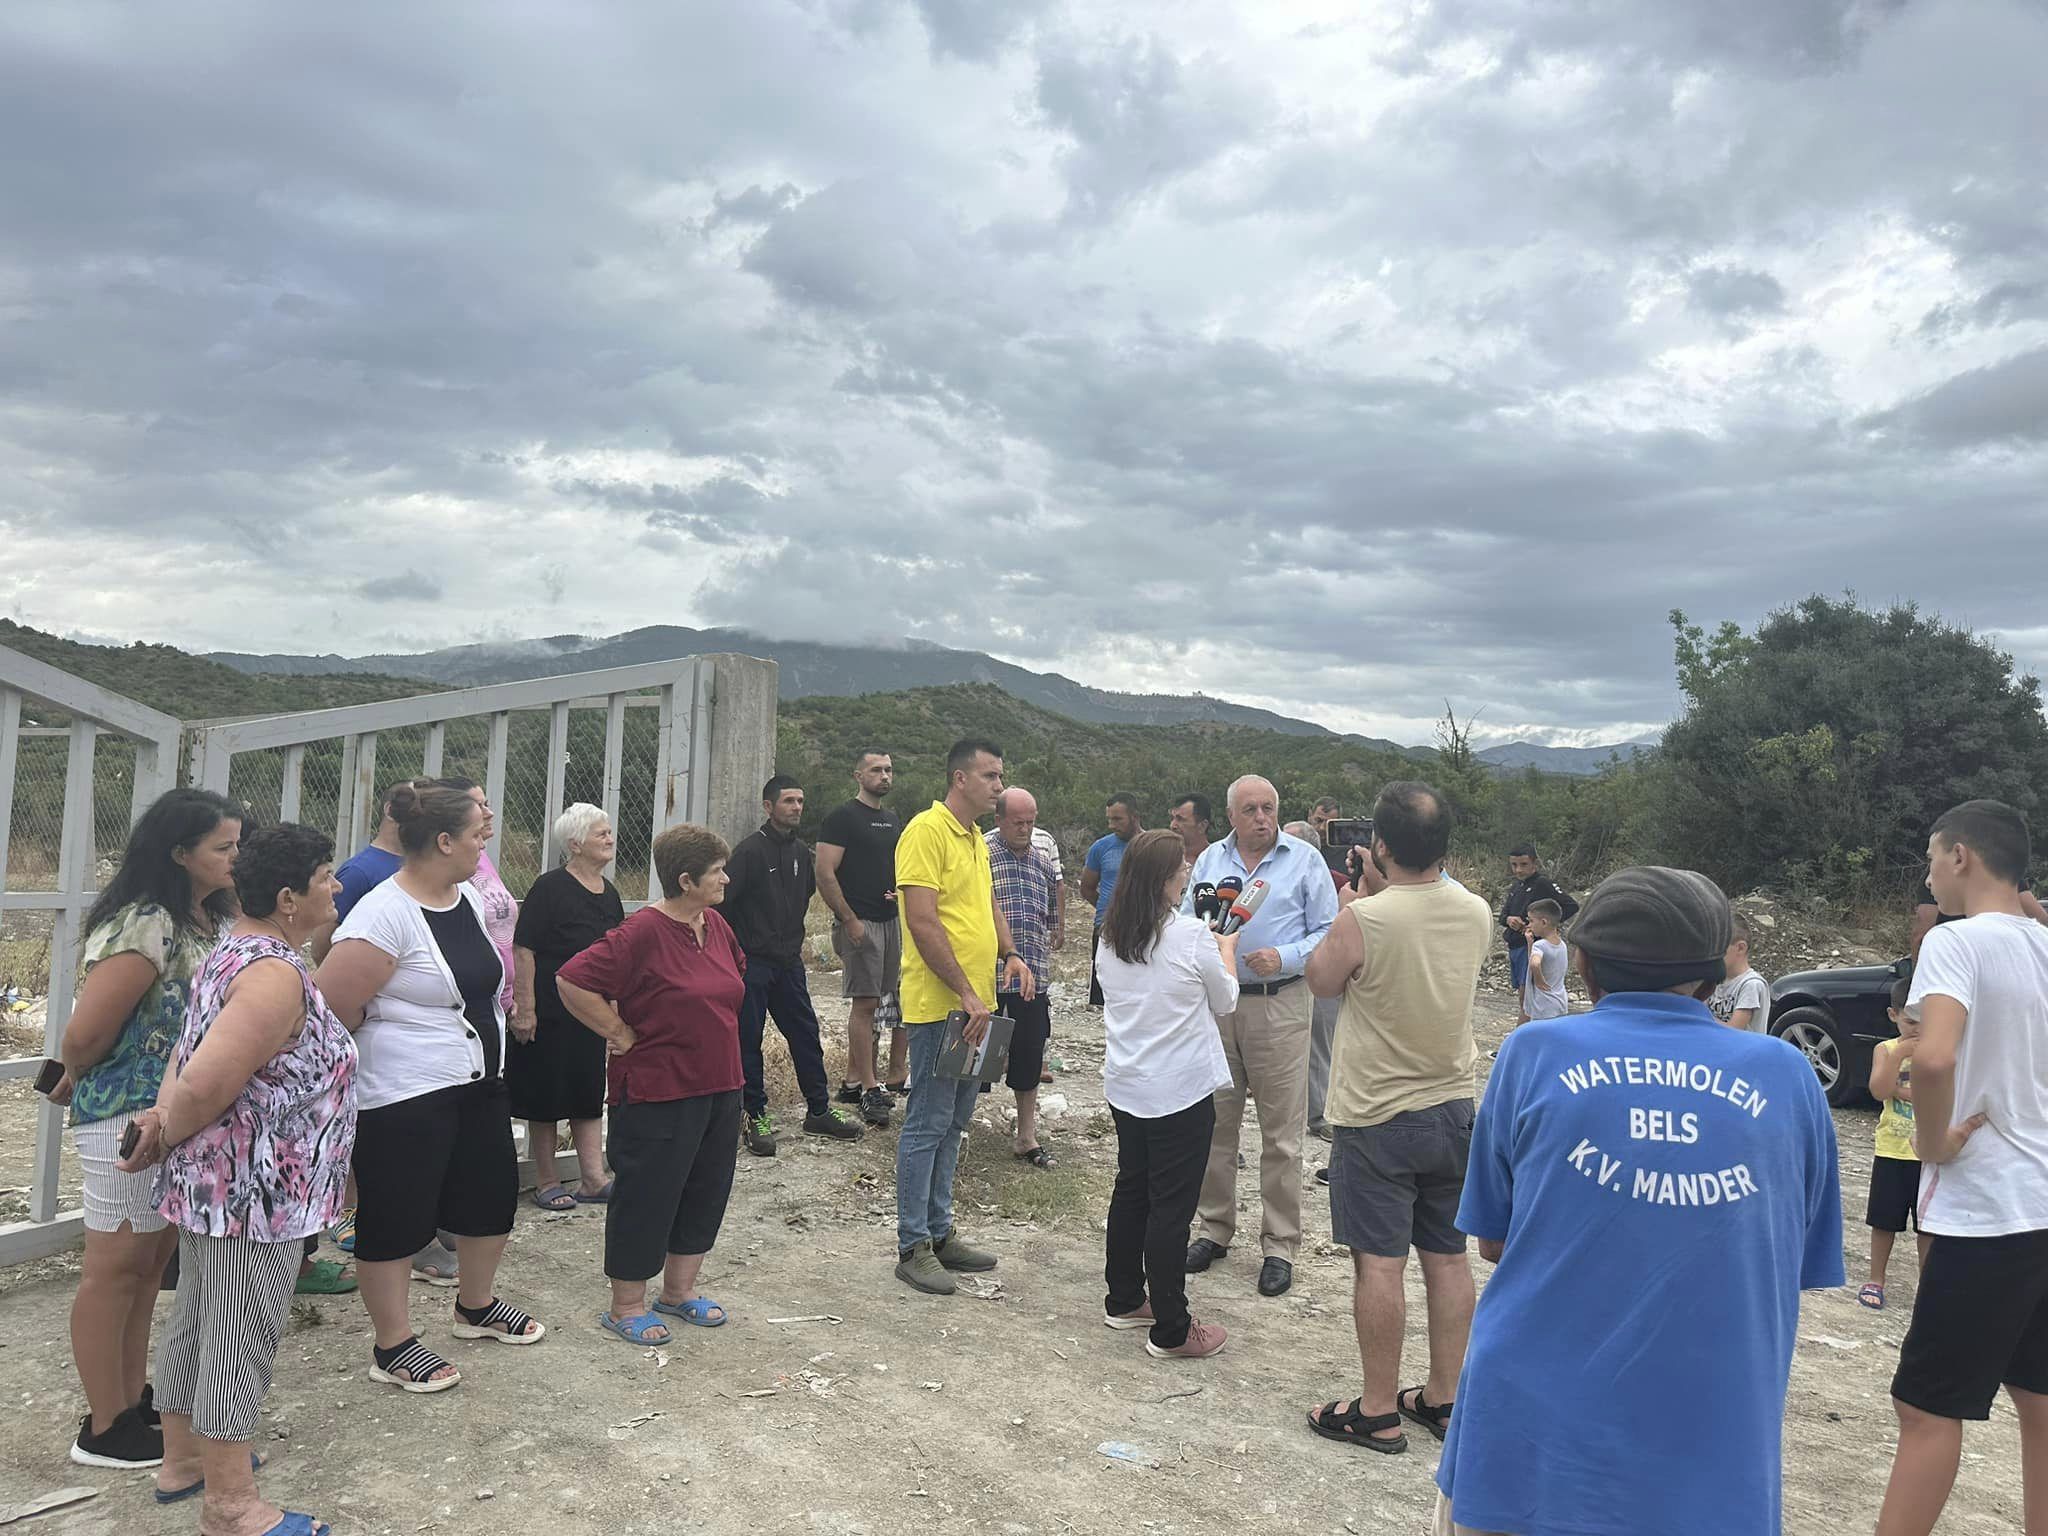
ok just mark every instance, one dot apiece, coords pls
pixel 1098 880
pixel 1656 1190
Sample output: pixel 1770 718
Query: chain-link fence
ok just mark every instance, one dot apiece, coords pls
pixel 257 778
pixel 36 839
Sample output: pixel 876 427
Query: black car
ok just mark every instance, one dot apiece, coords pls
pixel 1836 1019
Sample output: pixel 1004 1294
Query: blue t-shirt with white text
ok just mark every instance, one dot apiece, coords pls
pixel 1105 857
pixel 1665 1187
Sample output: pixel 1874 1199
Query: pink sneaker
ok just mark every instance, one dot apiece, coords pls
pixel 1203 1340
pixel 1142 1318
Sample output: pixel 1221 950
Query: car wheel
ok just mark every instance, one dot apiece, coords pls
pixel 1815 1035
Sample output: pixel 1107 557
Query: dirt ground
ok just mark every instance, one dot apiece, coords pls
pixel 904 1410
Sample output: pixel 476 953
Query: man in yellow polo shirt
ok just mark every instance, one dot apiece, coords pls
pixel 956 943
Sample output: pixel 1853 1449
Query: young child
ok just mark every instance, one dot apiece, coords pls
pixel 1743 1001
pixel 1895 1171
pixel 1543 997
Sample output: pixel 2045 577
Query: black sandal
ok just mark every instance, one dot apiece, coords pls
pixel 1037 1157
pixel 1355 1428
pixel 418 1364
pixel 1436 1419
pixel 508 1325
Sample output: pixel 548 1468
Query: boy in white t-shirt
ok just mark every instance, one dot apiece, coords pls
pixel 1980 1101
pixel 1543 995
pixel 1743 1001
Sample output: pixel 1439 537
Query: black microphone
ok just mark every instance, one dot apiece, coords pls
pixel 1206 904
pixel 1244 906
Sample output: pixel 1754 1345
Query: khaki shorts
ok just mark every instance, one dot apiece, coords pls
pixel 875 963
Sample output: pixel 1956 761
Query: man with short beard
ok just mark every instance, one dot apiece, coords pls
pixel 857 880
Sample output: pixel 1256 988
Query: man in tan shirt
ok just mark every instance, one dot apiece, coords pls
pixel 1404 955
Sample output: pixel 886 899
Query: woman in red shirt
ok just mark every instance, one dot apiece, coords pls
pixel 664 990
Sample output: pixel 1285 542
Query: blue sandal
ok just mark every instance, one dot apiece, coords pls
pixel 194 1489
pixel 637 1329
pixel 696 1312
pixel 554 1198
pixel 602 1195
pixel 297 1524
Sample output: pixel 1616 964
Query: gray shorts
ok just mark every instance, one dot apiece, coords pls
pixel 1397 1184
pixel 874 964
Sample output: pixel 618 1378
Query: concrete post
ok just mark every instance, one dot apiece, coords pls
pixel 742 741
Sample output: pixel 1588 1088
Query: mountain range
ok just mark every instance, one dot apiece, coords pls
pixel 810 669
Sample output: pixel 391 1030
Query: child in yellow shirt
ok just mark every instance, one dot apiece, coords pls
pixel 1895 1171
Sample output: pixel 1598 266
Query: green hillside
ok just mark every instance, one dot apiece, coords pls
pixel 193 688
pixel 1070 766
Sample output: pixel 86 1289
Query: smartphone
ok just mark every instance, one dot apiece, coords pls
pixel 131 1139
pixel 1348 832
pixel 51 1075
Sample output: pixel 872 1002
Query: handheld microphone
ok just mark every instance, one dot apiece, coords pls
pixel 1227 891
pixel 1241 910
pixel 1206 905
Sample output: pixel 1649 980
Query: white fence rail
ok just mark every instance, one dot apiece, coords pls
pixel 682 740
pixel 44 903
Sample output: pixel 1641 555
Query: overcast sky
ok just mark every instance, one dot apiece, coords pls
pixel 1338 357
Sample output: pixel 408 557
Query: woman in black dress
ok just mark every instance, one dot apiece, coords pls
pixel 555 1067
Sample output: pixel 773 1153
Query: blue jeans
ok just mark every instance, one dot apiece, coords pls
pixel 1518 966
pixel 783 992
pixel 928 1147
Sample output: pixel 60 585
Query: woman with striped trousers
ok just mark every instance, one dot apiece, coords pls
pixel 253 1129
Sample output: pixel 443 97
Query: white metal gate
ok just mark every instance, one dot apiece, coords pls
pixel 357 749
pixel 681 740
pixel 44 901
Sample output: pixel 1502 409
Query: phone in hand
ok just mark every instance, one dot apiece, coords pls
pixel 131 1139
pixel 1348 832
pixel 50 1076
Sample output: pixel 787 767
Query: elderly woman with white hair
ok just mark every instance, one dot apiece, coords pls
pixel 555 1067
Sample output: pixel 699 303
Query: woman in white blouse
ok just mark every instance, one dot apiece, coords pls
pixel 415 973
pixel 1166 977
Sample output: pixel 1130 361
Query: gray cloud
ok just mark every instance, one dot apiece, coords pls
pixel 406 587
pixel 978 29
pixel 1731 291
pixel 1152 343
pixel 2004 401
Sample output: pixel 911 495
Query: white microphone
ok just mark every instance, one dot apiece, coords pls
pixel 1247 903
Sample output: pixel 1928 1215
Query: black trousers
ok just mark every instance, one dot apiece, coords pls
pixel 783 993
pixel 1159 1167
pixel 672 1164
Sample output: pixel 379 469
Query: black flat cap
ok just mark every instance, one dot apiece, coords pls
pixel 1649 916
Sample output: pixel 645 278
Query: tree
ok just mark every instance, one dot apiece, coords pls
pixel 1819 750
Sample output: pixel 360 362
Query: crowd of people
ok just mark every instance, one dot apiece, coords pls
pixel 266 1048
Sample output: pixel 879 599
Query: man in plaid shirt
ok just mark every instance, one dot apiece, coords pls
pixel 1028 891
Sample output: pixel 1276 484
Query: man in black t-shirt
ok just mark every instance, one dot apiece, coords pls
pixel 1528 883
pixel 857 879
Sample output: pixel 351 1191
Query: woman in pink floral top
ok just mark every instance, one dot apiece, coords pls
pixel 253 1129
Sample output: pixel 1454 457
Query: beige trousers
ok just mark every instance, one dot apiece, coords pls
pixel 1266 1043
pixel 1445 1526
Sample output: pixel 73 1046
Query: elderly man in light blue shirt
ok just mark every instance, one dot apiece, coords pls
pixel 1266 1040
